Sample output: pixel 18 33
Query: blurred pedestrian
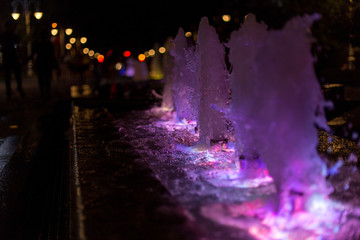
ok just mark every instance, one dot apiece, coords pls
pixel 45 62
pixel 10 50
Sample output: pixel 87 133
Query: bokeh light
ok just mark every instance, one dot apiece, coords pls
pixel 100 58
pixel 162 50
pixel 83 40
pixel 15 15
pixel 86 50
pixel 68 31
pixel 38 15
pixel 226 18
pixel 118 66
pixel 54 32
pixel 151 52
pixel 127 53
pixel 141 57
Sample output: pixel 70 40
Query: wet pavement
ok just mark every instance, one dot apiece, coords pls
pixel 33 155
pixel 115 194
pixel 66 174
pixel 7 149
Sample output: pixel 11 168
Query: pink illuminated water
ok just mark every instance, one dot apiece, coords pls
pixel 213 86
pixel 276 109
pixel 183 78
pixel 208 183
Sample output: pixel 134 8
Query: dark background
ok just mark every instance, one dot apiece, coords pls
pixel 138 25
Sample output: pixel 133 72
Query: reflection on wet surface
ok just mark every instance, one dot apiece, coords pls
pixel 82 91
pixel 7 148
pixel 116 195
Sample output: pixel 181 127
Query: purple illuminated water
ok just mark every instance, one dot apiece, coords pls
pixel 276 109
pixel 213 85
pixel 183 85
pixel 245 45
pixel 273 73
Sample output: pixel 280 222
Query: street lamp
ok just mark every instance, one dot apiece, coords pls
pixel 38 15
pixel 16 14
pixel 26 4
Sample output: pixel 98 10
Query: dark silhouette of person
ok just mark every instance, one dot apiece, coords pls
pixel 45 61
pixel 9 47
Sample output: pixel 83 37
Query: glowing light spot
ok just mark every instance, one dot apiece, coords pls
pixel 100 58
pixel 54 25
pixel 188 34
pixel 127 54
pixel 15 16
pixel 83 40
pixel 147 54
pixel 151 52
pixel 141 57
pixel 226 18
pixel 38 15
pixel 86 50
pixel 13 126
pixel 162 50
pixel 54 32
pixel 68 31
pixel 68 46
pixel 96 55
pixel 72 40
pixel 118 66
pixel 91 53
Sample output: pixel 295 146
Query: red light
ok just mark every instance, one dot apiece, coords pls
pixel 127 53
pixel 100 58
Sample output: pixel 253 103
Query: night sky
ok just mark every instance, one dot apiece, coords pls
pixel 127 24
pixel 134 25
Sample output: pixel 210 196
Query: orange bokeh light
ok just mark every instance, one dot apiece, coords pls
pixel 141 57
pixel 100 58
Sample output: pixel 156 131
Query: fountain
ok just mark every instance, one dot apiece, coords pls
pixel 276 110
pixel 212 86
pixel 200 84
pixel 273 73
pixel 277 106
pixel 245 45
pixel 183 79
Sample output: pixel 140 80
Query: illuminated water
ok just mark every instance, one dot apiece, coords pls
pixel 278 80
pixel 208 184
pixel 213 86
pixel 184 77
pixel 276 109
